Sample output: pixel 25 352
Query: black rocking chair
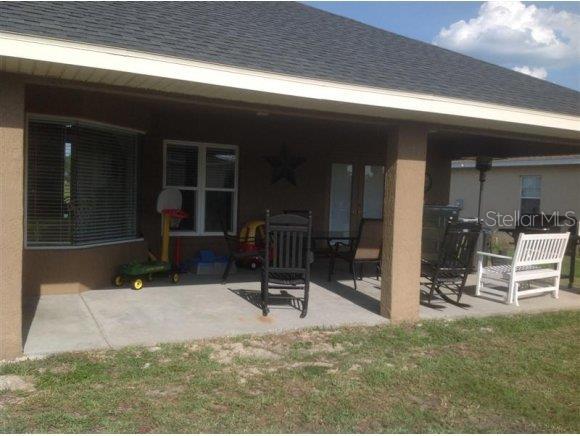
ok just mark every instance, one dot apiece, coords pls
pixel 453 265
pixel 287 259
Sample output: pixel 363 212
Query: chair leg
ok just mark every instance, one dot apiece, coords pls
pixel 431 291
pixel 510 295
pixel 330 267
pixel 231 260
pixel 556 292
pixel 461 288
pixel 360 271
pixel 378 271
pixel 353 270
pixel 264 296
pixel 479 276
pixel 516 292
pixel 306 296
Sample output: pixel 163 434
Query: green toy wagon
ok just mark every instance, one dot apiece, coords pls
pixel 137 272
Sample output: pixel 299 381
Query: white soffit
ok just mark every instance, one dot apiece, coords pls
pixel 106 65
pixel 522 162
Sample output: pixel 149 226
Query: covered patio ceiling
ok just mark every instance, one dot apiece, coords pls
pixel 458 144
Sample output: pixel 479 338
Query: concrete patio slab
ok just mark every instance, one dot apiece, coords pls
pixel 62 323
pixel 492 303
pixel 178 313
pixel 203 308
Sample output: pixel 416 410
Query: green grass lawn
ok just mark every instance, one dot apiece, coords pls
pixel 566 267
pixel 503 374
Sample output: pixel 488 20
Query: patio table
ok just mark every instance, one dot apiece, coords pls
pixel 332 237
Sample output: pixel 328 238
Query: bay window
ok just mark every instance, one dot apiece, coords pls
pixel 81 183
pixel 206 175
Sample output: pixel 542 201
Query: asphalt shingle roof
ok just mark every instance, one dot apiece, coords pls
pixel 288 38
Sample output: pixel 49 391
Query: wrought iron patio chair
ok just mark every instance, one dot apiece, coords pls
pixel 287 259
pixel 366 249
pixel 453 265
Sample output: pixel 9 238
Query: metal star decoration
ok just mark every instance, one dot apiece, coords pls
pixel 284 166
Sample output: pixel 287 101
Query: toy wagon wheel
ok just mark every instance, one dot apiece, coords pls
pixel 174 277
pixel 118 281
pixel 137 284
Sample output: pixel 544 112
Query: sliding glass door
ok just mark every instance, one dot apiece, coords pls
pixel 356 192
pixel 340 197
pixel 374 186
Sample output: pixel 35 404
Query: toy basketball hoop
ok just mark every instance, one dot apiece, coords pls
pixel 169 198
pixel 169 204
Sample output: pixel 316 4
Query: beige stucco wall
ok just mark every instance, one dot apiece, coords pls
pixel 11 213
pixel 560 189
pixel 63 271
pixel 320 142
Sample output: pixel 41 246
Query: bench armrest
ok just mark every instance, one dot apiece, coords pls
pixel 498 256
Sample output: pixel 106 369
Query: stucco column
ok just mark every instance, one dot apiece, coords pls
pixel 402 220
pixel 11 214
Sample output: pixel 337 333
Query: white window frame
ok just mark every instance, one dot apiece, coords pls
pixel 522 190
pixel 201 188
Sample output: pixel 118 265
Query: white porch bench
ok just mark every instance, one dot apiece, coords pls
pixel 537 257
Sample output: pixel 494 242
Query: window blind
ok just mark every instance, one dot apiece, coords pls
pixel 104 177
pixel 82 184
pixel 48 218
pixel 181 165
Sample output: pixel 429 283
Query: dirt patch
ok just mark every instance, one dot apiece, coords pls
pixel 225 353
pixel 309 364
pixel 274 348
pixel 325 347
pixel 16 383
pixel 10 399
pixel 63 368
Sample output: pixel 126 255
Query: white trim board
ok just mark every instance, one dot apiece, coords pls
pixel 523 162
pixel 277 88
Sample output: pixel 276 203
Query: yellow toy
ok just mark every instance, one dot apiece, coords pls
pixel 251 240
